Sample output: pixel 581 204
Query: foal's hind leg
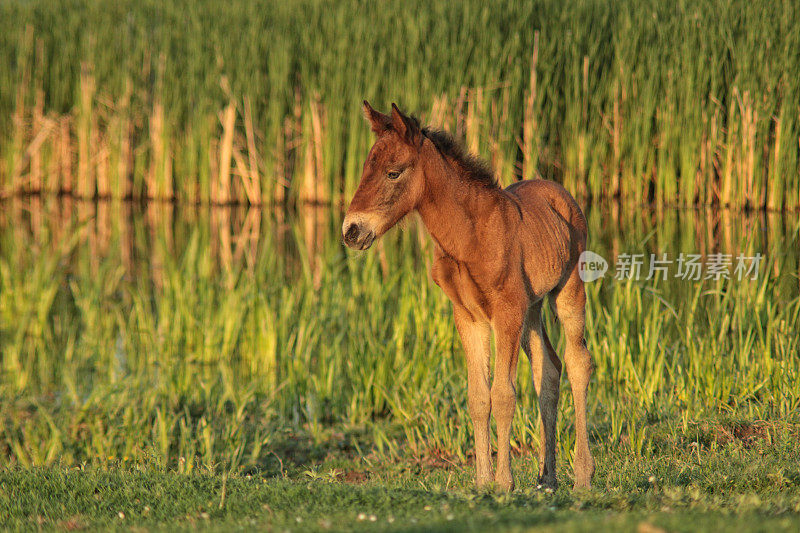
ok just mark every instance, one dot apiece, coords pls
pixel 570 307
pixel 546 370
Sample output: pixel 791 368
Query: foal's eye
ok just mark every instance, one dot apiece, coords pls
pixel 393 175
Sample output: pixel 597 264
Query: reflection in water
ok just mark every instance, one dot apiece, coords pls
pixel 615 229
pixel 141 237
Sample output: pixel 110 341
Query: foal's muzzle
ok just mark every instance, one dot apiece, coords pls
pixel 358 237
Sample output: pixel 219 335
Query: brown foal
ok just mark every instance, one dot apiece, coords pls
pixel 498 252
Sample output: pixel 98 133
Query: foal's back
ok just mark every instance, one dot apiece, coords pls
pixel 552 232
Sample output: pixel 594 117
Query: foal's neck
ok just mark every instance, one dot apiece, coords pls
pixel 453 206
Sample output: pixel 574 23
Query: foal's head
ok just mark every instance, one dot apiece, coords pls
pixel 392 181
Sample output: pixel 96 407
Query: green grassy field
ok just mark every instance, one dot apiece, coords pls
pixel 156 353
pixel 742 485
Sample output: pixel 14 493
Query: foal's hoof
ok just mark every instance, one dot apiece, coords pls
pixel 482 483
pixel 484 475
pixel 504 484
pixel 548 482
pixel 582 484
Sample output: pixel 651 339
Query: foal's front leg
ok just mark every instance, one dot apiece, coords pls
pixel 475 337
pixel 504 392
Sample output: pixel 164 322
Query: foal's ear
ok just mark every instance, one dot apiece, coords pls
pixel 406 127
pixel 378 121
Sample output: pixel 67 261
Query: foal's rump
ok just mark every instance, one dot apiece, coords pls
pixel 532 192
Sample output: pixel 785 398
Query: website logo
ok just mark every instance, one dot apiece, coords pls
pixel 591 266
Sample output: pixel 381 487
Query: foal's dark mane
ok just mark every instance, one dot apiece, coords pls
pixel 475 169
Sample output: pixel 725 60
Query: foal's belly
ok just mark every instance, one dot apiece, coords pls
pixel 462 288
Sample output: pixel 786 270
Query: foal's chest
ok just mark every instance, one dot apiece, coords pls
pixel 462 286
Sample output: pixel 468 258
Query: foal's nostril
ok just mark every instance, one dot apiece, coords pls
pixel 351 234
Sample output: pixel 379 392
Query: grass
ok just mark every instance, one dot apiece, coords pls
pixel 748 485
pixel 153 355
pixel 142 337
pixel 680 103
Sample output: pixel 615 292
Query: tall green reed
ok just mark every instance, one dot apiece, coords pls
pixel 687 103
pixel 152 344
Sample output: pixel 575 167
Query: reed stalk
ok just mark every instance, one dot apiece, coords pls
pixel 228 119
pixel 85 186
pixel 254 181
pixel 529 124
